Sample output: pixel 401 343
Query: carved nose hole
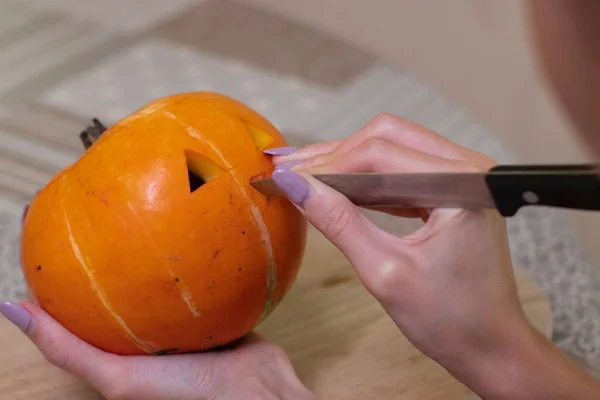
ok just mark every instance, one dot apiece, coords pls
pixel 200 169
pixel 195 181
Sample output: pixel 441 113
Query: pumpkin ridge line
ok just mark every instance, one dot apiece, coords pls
pixel 146 346
pixel 257 218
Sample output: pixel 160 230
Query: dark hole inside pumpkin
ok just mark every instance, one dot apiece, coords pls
pixel 195 180
pixel 200 169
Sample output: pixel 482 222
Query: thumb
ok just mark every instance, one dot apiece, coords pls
pixel 59 346
pixel 330 212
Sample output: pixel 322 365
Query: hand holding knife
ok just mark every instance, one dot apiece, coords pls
pixel 505 188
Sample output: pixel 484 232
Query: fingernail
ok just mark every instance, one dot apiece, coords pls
pixel 292 184
pixel 280 151
pixel 16 314
pixel 289 164
pixel 25 210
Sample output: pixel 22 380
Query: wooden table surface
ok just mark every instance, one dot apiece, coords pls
pixel 341 342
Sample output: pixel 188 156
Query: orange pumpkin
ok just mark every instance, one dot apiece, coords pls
pixel 154 241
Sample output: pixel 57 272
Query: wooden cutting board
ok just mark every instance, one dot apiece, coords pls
pixel 341 342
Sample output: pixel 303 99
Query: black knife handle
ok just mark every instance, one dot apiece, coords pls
pixel 561 186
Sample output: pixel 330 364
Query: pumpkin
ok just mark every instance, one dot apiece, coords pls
pixel 155 241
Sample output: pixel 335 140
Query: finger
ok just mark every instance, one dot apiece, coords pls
pixel 402 212
pixel 378 155
pixel 63 349
pixel 340 221
pixel 395 130
pixel 399 212
pixel 377 256
pixel 407 134
pixel 302 153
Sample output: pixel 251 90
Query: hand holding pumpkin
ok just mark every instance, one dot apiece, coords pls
pixel 252 368
pixel 449 286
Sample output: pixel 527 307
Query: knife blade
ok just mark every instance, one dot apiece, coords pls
pixel 505 188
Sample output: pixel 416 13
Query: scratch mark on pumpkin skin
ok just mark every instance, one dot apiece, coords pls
pixel 146 346
pixel 184 291
pixel 186 295
pixel 256 217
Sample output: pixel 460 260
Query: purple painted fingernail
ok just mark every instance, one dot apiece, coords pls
pixel 16 314
pixel 292 184
pixel 289 164
pixel 280 151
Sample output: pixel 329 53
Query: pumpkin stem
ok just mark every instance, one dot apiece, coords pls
pixel 91 133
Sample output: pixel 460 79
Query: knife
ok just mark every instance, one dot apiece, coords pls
pixel 505 188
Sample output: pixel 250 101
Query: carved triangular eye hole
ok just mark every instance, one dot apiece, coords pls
pixel 200 169
pixel 261 138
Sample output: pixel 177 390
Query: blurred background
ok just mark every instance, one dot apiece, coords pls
pixel 318 69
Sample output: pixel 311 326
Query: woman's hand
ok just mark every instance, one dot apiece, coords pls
pixel 449 286
pixel 253 368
